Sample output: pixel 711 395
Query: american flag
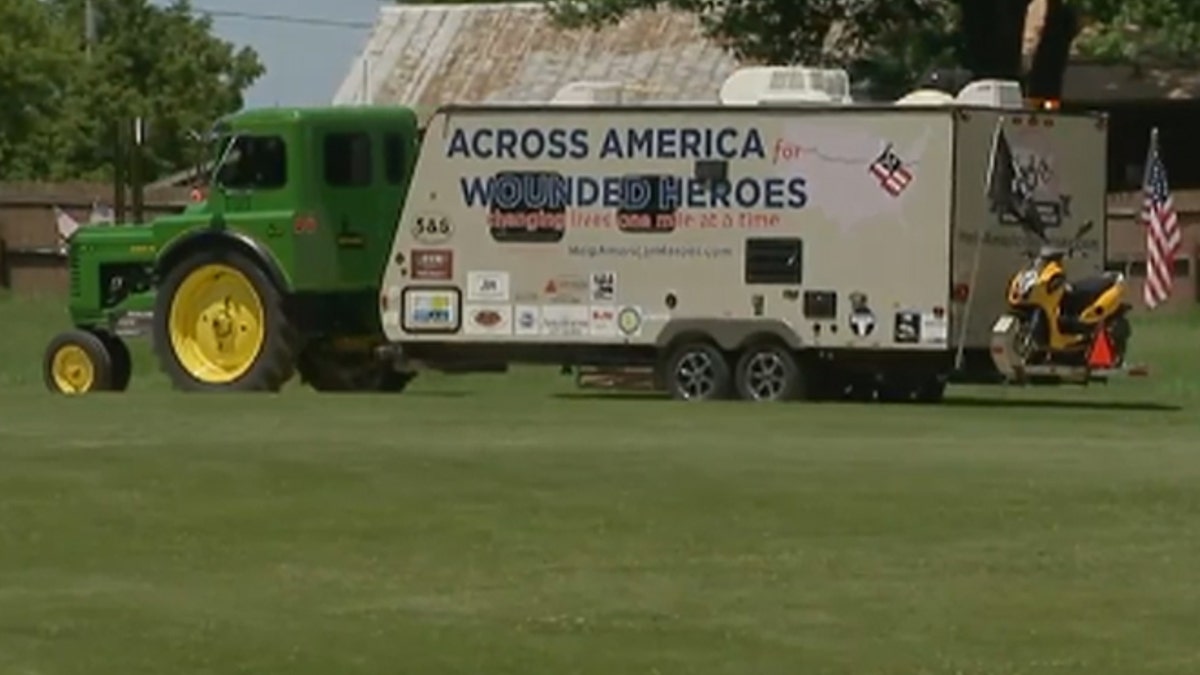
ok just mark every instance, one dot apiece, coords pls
pixel 1163 239
pixel 890 171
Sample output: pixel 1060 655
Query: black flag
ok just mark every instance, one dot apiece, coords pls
pixel 1002 192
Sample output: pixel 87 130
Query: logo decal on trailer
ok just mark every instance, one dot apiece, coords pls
pixel 862 319
pixel 893 176
pixel 908 327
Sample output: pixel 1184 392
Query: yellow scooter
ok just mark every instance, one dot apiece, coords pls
pixel 1059 322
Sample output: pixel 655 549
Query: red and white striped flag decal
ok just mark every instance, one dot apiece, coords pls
pixel 1163 239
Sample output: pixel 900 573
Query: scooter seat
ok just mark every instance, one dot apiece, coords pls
pixel 1086 291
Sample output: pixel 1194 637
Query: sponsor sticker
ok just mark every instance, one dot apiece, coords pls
pixel 430 310
pixel 487 286
pixel 604 286
pixel 934 329
pixel 566 320
pixel 629 321
pixel 488 320
pixel 527 319
pixel 566 288
pixel 907 329
pixel 432 264
pixel 432 229
pixel 603 320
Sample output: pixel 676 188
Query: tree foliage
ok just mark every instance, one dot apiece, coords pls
pixel 62 107
pixel 892 43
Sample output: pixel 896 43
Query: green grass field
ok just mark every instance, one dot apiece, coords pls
pixel 508 524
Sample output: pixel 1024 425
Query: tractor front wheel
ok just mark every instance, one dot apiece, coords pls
pixel 78 362
pixel 220 325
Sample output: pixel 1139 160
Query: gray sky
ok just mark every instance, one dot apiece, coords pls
pixel 305 63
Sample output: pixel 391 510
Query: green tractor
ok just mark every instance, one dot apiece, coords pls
pixel 275 272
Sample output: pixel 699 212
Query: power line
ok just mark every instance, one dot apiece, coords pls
pixel 281 18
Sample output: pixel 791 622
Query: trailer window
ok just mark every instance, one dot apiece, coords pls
pixel 774 260
pixel 526 207
pixel 653 214
pixel 393 158
pixel 348 159
pixel 254 162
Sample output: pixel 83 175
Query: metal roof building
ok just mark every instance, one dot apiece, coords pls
pixel 427 55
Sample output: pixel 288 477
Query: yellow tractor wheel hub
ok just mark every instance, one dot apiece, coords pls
pixel 217 324
pixel 73 370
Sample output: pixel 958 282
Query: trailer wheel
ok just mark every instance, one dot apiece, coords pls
pixel 220 325
pixel 77 362
pixel 122 361
pixel 769 372
pixel 698 371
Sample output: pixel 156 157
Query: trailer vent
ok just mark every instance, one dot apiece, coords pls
pixel 774 260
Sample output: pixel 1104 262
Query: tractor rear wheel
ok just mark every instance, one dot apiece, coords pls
pixel 78 362
pixel 220 325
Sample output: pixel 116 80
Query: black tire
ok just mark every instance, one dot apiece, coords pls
pixel 89 346
pixel 769 372
pixel 1120 332
pixel 122 360
pixel 331 373
pixel 698 371
pixel 896 390
pixel 275 363
pixel 931 390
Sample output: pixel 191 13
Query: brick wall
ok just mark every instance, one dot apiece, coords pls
pixel 29 260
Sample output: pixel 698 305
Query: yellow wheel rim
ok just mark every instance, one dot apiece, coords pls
pixel 217 324
pixel 73 370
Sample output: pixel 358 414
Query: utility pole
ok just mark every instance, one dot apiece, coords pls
pixel 89 27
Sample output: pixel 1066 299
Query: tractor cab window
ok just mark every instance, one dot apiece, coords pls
pixel 252 163
pixel 348 160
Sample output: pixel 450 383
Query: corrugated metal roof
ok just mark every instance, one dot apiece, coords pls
pixel 427 55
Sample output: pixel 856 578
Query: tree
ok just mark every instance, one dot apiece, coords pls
pixel 893 42
pixel 162 63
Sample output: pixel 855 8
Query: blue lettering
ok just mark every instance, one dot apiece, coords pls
pixel 530 144
pixel 588 192
pixel 799 196
pixel 551 191
pixel 476 192
pixel 668 196
pixel 618 143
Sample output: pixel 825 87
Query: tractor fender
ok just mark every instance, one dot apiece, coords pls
pixel 182 246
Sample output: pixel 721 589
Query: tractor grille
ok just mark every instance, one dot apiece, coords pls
pixel 73 271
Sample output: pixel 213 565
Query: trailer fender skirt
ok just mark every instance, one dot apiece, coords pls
pixel 728 334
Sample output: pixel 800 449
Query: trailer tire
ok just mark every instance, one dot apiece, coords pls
pixel 206 342
pixel 769 372
pixel 698 371
pixel 77 361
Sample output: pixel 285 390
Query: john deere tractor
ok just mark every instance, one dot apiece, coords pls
pixel 274 272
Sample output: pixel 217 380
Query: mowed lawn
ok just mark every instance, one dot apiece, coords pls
pixel 509 524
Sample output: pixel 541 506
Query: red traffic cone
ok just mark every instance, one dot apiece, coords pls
pixel 1101 355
